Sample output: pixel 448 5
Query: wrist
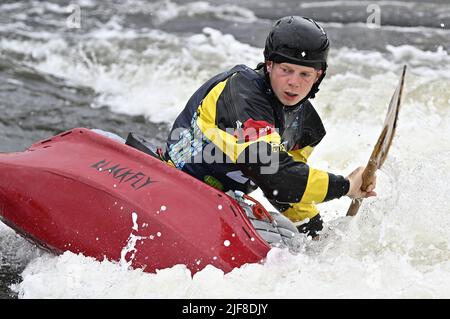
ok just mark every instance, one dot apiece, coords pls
pixel 347 187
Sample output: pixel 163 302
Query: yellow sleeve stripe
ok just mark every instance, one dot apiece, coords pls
pixel 301 211
pixel 317 186
pixel 301 155
pixel 226 142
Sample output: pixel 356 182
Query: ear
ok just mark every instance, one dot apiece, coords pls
pixel 319 74
pixel 269 65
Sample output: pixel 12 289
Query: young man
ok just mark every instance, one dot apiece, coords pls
pixel 248 128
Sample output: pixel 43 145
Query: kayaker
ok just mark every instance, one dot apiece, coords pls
pixel 247 128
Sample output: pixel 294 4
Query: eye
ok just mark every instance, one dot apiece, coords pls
pixel 285 70
pixel 305 75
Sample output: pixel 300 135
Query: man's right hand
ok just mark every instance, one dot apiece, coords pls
pixel 355 179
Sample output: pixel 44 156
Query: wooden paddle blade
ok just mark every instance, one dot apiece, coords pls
pixel 391 120
pixel 381 148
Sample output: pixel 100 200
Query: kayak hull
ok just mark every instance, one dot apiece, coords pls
pixel 80 191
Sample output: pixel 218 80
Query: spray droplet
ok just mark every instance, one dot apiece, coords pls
pixel 158 234
pixel 219 207
pixel 214 258
pixel 134 217
pixel 163 208
pixel 442 25
pixel 233 235
pixel 232 258
pixel 115 185
pixel 275 192
pixel 226 243
pixel 252 239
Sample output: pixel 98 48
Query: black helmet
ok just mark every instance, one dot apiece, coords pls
pixel 297 40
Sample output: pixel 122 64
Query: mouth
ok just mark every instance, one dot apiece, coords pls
pixel 290 95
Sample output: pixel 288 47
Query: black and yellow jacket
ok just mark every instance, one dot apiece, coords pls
pixel 235 134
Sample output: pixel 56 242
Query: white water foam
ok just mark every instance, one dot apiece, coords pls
pixel 165 11
pixel 156 81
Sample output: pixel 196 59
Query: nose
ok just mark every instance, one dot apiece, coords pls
pixel 293 81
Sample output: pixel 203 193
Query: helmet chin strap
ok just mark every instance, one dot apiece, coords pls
pixel 315 87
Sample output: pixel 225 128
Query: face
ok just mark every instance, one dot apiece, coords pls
pixel 291 82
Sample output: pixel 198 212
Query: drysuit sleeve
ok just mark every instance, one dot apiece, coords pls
pixel 286 181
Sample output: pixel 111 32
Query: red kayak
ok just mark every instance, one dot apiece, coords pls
pixel 83 192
